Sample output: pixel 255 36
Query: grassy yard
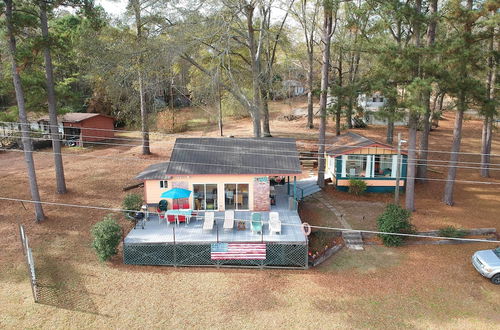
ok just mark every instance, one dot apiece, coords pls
pixel 408 287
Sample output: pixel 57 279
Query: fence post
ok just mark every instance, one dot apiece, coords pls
pixel 175 247
pixel 22 236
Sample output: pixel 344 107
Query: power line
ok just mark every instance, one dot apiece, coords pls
pixel 295 154
pixel 260 139
pixel 247 220
pixel 239 166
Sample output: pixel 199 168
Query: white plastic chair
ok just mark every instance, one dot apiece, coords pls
pixel 228 220
pixel 274 223
pixel 208 223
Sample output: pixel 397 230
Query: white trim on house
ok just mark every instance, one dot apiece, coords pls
pixel 369 167
pixel 344 165
pixel 394 165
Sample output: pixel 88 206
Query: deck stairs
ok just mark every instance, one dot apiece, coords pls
pixel 307 187
pixel 353 240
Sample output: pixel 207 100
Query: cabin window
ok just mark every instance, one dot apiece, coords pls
pixel 205 196
pixel 356 166
pixel 381 99
pixel 163 184
pixel 236 196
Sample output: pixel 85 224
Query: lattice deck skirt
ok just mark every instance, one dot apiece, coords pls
pixel 277 255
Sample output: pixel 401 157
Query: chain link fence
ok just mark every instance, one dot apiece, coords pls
pixel 278 255
pixel 29 261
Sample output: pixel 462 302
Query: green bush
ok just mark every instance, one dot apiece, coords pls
pixel 106 236
pixel 450 231
pixel 395 219
pixel 132 202
pixel 357 187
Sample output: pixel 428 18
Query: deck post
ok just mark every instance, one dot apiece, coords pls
pixel 175 248
pixel 295 188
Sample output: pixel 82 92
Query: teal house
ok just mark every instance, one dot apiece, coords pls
pixel 353 156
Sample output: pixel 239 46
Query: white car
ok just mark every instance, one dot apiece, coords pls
pixel 487 263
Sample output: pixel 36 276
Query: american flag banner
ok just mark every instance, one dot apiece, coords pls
pixel 238 251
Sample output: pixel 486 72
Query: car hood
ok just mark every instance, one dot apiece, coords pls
pixel 488 257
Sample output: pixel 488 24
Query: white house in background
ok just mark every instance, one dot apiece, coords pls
pixel 371 105
pixel 293 88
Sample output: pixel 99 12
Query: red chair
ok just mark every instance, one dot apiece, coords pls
pixel 185 206
pixel 170 218
pixel 160 213
pixel 175 207
pixel 182 218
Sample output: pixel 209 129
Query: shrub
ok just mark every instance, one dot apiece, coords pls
pixel 106 236
pixel 132 202
pixel 450 231
pixel 357 187
pixel 394 219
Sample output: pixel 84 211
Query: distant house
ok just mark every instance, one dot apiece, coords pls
pixel 293 88
pixel 353 156
pixel 371 104
pixel 223 173
pixel 82 127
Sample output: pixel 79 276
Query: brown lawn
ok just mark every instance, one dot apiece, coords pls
pixel 409 287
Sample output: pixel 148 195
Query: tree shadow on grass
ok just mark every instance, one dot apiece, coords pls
pixel 60 285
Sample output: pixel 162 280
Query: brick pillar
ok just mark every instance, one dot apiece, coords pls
pixel 183 185
pixel 261 201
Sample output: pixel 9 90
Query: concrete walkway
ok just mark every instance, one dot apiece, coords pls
pixel 353 239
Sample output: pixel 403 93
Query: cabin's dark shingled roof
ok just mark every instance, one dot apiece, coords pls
pixel 228 156
pixel 350 141
pixel 154 172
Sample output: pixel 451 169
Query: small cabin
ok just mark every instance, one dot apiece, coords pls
pixel 353 156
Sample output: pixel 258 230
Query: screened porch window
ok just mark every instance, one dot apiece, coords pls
pixel 383 165
pixel 205 196
pixel 356 166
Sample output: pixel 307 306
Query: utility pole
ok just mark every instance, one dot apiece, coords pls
pixel 220 102
pixel 398 170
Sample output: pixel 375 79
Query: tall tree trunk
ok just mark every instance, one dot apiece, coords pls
pixel 51 100
pixel 310 111
pixel 255 72
pixel 390 131
pixel 455 149
pixel 25 127
pixel 413 123
pixel 266 130
pixel 350 102
pixel 412 159
pixel 488 119
pixel 142 97
pixel 327 35
pixel 340 96
pixel 457 128
pixel 426 98
pixel 391 104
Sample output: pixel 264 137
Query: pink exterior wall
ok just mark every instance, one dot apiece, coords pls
pixel 256 190
pixel 104 124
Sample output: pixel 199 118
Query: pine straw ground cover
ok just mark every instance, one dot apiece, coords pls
pixel 407 287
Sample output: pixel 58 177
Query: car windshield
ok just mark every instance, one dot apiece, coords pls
pixel 497 251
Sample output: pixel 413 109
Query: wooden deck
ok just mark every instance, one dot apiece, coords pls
pixel 158 232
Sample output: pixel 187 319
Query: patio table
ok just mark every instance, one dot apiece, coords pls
pixel 185 212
